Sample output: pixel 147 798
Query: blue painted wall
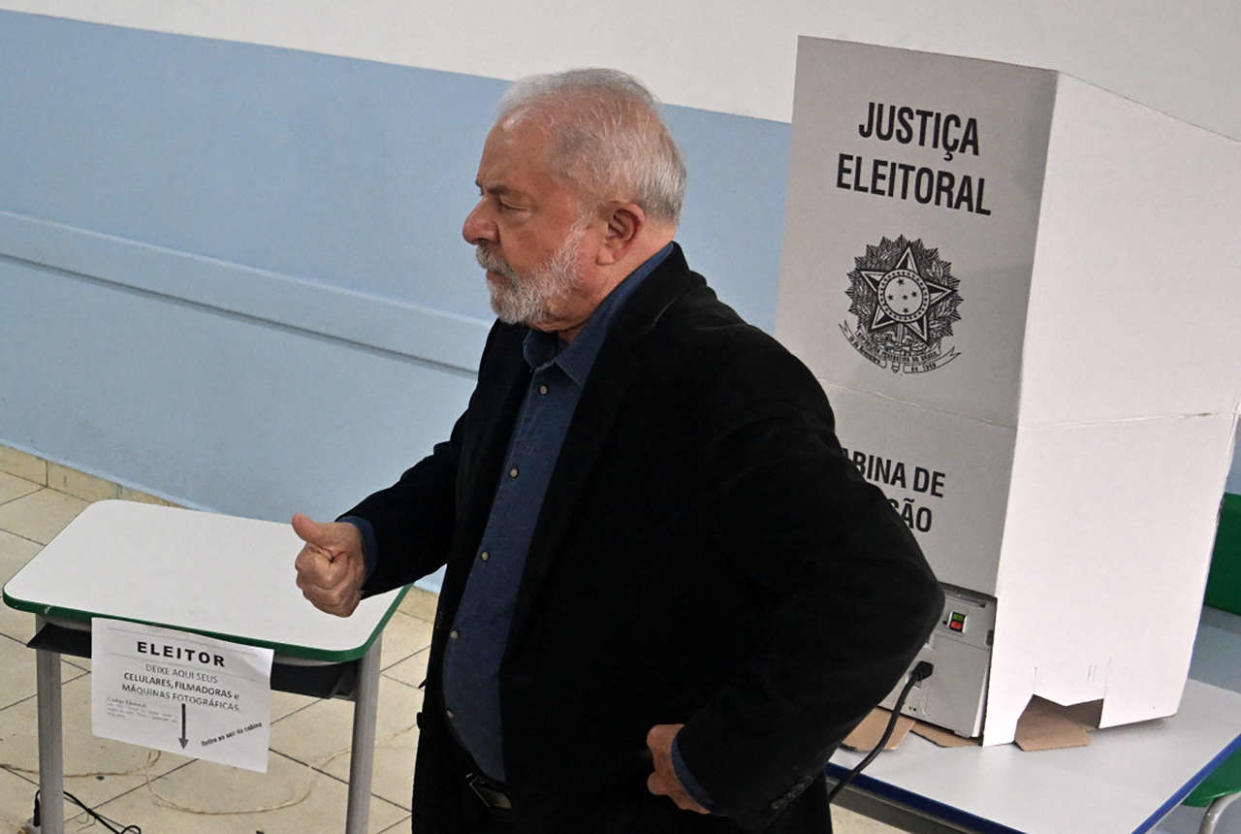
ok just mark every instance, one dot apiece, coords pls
pixel 233 274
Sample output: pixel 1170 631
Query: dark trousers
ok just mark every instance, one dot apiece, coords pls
pixel 475 816
pixel 444 804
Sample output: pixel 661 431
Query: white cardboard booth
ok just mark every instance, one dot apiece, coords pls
pixel 1021 294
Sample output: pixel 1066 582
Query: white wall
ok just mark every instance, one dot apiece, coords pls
pixel 1179 56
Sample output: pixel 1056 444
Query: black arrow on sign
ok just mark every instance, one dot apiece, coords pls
pixel 184 741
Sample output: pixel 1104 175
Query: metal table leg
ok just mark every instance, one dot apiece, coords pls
pixel 362 758
pixel 1217 807
pixel 51 741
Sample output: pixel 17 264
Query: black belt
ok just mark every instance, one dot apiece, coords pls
pixel 491 793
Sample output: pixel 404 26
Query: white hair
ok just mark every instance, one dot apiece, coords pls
pixel 607 136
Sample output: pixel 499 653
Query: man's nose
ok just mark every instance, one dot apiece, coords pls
pixel 478 227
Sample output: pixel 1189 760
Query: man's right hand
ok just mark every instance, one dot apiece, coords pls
pixel 331 568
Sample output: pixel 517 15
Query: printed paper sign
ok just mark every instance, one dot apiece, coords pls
pixel 181 692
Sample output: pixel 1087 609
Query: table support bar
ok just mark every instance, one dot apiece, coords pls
pixel 51 743
pixel 361 759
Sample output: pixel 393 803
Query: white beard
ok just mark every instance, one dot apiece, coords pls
pixel 526 299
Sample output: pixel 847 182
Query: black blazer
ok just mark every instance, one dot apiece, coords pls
pixel 705 554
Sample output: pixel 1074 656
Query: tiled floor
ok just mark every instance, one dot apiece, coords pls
pixel 304 790
pixel 167 793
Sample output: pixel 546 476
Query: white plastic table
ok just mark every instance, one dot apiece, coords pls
pixel 217 575
pixel 1125 780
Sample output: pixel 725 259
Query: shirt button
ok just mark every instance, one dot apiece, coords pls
pixel 542 389
pixel 512 473
pixel 454 634
pixel 484 555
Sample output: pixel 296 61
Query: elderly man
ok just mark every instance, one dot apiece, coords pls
pixel 668 595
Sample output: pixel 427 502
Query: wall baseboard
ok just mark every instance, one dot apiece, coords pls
pixel 55 475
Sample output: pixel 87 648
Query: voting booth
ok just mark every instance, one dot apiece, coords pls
pixel 1020 293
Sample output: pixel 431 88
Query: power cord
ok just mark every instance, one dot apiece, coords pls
pixel 106 822
pixel 920 672
pixel 34 823
pixel 316 770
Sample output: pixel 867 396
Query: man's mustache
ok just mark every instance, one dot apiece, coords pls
pixel 492 262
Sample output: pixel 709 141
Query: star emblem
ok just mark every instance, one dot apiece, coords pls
pixel 905 297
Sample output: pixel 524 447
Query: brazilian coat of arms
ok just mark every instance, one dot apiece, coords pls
pixel 905 300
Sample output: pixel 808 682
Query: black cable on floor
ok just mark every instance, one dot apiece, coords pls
pixel 920 672
pixel 107 823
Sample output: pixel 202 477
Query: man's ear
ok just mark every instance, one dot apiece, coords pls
pixel 624 222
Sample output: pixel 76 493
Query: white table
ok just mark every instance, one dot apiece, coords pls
pixel 1126 780
pixel 222 576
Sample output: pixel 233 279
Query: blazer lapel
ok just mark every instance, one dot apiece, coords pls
pixel 609 382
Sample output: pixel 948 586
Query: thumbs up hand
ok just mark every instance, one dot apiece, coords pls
pixel 330 568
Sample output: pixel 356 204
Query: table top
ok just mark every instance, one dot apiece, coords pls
pixel 218 575
pixel 1125 780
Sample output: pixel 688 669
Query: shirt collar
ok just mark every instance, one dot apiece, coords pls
pixel 577 359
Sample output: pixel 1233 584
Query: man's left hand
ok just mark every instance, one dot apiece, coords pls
pixel 664 781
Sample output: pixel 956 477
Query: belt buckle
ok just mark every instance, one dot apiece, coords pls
pixel 488 793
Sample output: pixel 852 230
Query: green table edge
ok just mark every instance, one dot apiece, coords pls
pixel 281 649
pixel 1223 781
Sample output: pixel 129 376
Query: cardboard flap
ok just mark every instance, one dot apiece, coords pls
pixel 1048 726
pixel 943 738
pixel 867 734
pixel 1087 713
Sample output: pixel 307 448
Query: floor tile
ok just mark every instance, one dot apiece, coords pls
pixel 402 826
pixel 121 765
pixel 16 801
pixel 12 487
pixel 40 515
pixel 845 821
pixel 284 704
pixel 206 787
pixel 411 671
pixel 18 682
pixel 82 663
pixel 23 465
pixel 316 734
pixel 403 636
pixel 15 552
pixel 79 484
pixel 419 603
